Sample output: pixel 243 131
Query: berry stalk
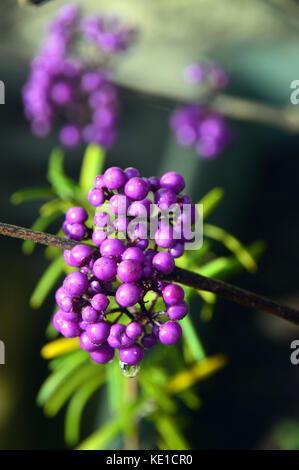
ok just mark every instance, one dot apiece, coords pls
pixel 183 276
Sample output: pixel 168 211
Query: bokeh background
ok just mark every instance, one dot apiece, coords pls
pixel 253 402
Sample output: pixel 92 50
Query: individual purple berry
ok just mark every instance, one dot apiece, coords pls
pixel 149 341
pixel 76 283
pixel 177 250
pixel 105 268
pixel 103 354
pixel 173 294
pixel 70 316
pixel 140 208
pixel 99 182
pixel 129 270
pixel 57 320
pixel 77 231
pixel 131 172
pixel 173 181
pixel 155 183
pixel 86 344
pixel 125 340
pixel 114 178
pixel 100 302
pixel 112 247
pixel 121 223
pixel 131 355
pixel 178 311
pixel 101 219
pixel 127 295
pixel 76 215
pixel 98 332
pixel 70 329
pixel 96 197
pixel 170 333
pixel 67 258
pixel 165 198
pixel 142 244
pixel 118 204
pixel 136 188
pixel 89 314
pixel 98 236
pixel 163 262
pixel 80 255
pixel 134 253
pixel 133 330
pixel 164 236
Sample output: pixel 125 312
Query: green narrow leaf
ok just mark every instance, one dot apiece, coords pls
pixel 62 184
pixel 192 340
pixel 170 432
pixel 31 194
pixel 101 438
pixel 76 407
pixel 63 393
pixel 40 225
pixel 46 282
pixel 224 267
pixel 51 384
pixel 92 165
pixel 211 200
pixel 232 244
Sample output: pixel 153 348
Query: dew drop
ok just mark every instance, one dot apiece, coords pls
pixel 129 371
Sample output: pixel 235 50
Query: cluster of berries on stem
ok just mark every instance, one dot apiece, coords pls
pixel 118 298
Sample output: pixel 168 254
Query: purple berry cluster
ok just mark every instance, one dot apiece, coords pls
pixel 193 124
pixel 105 301
pixel 73 93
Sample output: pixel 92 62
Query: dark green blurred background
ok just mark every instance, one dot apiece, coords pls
pixel 253 402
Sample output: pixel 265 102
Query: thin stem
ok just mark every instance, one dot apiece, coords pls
pixel 188 278
pixel 132 435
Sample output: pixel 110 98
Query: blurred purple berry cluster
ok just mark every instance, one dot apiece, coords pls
pixel 73 92
pixel 116 275
pixel 194 125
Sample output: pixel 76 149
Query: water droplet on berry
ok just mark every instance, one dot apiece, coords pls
pixel 129 371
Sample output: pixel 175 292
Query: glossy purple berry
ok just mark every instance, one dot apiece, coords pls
pixel 170 333
pixel 112 247
pixel 165 198
pixel 178 311
pixel 76 283
pixel 164 236
pixel 134 253
pixel 173 181
pixel 105 268
pixel 80 255
pixel 125 340
pixel 101 219
pixel 70 329
pixel 118 204
pixel 129 271
pixel 98 332
pixel 136 188
pixel 114 178
pixel 67 258
pixel 131 355
pixel 100 302
pixel 163 262
pixel 177 250
pixel 127 295
pixel 86 344
pixel 133 330
pixel 76 215
pixel 131 172
pixel 57 320
pixel 89 314
pixel 96 197
pixel 77 231
pixel 103 354
pixel 98 236
pixel 173 294
pixel 121 223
